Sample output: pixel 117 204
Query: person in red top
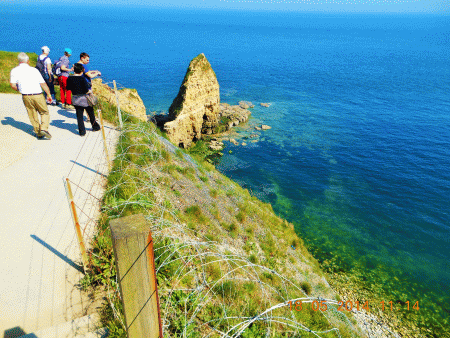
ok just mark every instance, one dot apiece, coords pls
pixel 66 96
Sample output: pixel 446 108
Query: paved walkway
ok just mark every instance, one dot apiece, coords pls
pixel 39 261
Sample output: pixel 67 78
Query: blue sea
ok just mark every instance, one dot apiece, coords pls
pixel 358 156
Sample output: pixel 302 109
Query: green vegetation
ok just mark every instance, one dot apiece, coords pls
pixel 222 125
pixel 201 152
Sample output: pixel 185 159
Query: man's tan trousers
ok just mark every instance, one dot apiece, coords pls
pixel 36 104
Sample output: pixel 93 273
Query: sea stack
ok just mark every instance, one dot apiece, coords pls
pixel 195 110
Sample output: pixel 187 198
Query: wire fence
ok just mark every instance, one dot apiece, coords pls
pixel 201 281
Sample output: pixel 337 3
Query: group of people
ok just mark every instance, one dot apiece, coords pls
pixel 31 82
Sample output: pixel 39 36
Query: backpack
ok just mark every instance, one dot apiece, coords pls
pixel 56 69
pixel 40 65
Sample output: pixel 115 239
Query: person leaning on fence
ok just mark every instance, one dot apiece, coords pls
pixel 88 74
pixel 79 87
pixel 46 66
pixel 30 83
pixel 66 95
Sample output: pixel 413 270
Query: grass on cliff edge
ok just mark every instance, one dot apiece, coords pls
pixel 222 256
pixel 8 60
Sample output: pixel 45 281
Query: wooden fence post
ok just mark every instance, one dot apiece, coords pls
pixel 73 211
pixel 118 105
pixel 99 112
pixel 133 251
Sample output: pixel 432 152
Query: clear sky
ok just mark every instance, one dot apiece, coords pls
pixel 387 6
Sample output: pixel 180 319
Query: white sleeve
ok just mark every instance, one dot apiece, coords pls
pixel 38 76
pixel 13 78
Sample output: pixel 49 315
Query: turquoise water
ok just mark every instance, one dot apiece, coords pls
pixel 358 155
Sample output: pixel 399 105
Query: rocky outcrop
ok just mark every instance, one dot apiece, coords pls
pixel 129 99
pixel 216 145
pixel 195 110
pixel 234 115
pixel 246 104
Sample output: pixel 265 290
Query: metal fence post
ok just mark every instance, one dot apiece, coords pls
pixel 118 105
pixel 73 210
pixel 99 111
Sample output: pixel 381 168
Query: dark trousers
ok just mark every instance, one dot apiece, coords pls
pixel 90 110
pixel 49 81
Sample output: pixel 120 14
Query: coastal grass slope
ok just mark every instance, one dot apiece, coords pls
pixel 226 264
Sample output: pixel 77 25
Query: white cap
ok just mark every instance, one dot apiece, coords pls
pixel 45 49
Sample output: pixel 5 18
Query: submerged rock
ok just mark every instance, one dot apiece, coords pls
pixel 267 105
pixel 246 104
pixel 265 127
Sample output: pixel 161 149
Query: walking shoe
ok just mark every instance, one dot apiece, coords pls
pixel 96 126
pixel 38 135
pixel 54 103
pixel 46 134
pixel 84 134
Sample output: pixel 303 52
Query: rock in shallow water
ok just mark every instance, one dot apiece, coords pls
pixel 246 104
pixel 215 145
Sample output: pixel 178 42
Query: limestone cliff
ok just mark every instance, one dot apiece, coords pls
pixel 195 110
pixel 129 99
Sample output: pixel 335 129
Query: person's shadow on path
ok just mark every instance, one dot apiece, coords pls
pixel 25 127
pixel 68 114
pixel 62 124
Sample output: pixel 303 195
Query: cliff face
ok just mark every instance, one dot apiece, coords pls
pixel 195 110
pixel 129 99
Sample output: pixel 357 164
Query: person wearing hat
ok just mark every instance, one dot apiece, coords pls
pixel 47 75
pixel 66 95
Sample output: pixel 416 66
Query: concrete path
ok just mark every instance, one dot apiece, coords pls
pixel 40 257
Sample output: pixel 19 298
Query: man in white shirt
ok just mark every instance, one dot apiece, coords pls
pixel 29 82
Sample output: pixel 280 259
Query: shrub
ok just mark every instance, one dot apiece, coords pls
pixel 196 212
pixel 306 287
pixel 213 193
pixel 241 216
